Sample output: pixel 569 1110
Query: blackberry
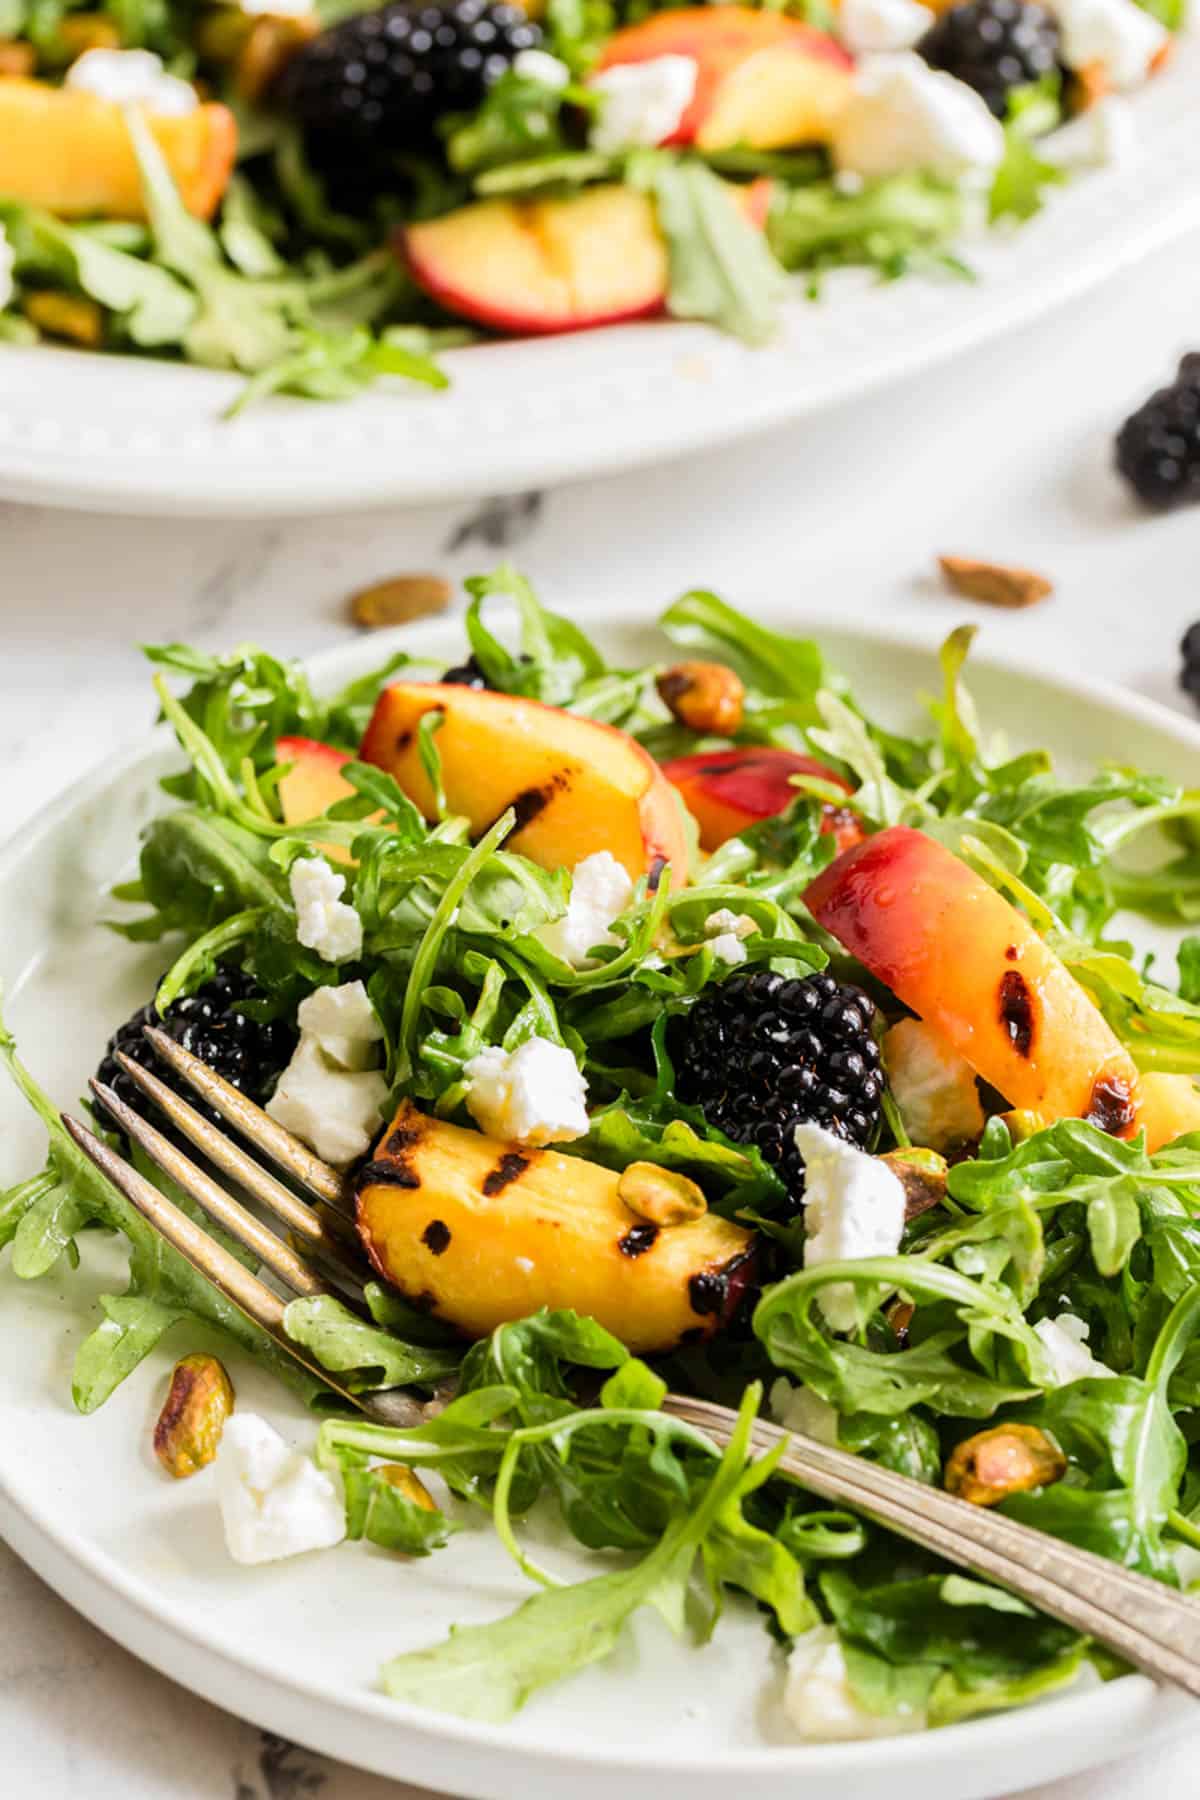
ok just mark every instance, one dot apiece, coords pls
pixel 465 674
pixel 759 1054
pixel 212 1026
pixel 1158 446
pixel 379 81
pixel 994 46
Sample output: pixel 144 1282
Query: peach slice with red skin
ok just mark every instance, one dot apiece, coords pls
pixel 970 965
pixel 542 266
pixel 481 1231
pixel 727 791
pixel 763 80
pixel 70 152
pixel 577 786
pixel 314 782
pixel 527 266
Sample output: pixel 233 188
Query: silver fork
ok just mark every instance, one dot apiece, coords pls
pixel 1151 1626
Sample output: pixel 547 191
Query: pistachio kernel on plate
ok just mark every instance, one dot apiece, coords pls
pixel 662 1197
pixel 996 584
pixel 1007 1459
pixel 399 600
pixel 704 696
pixel 189 1427
pixel 409 1483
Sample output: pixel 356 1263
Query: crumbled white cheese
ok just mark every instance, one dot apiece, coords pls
pixel 933 1087
pixel 8 262
pixel 1116 33
pixel 278 9
pixel 601 889
pixel 1064 1340
pixel 643 102
pixel 799 1409
pixel 343 1022
pixel 728 948
pixel 132 78
pixel 324 922
pixel 539 65
pixel 726 920
pixel 725 931
pixel 818 1699
pixel 534 1095
pixel 337 1112
pixel 869 27
pixel 274 1501
pixel 1103 136
pixel 853 1207
pixel 905 115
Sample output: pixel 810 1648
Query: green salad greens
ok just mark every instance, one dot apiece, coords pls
pixel 1048 1278
pixel 267 211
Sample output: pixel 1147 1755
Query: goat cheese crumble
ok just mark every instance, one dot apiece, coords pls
pixel 853 1207
pixel 533 1095
pixel 601 889
pixel 132 78
pixel 324 922
pixel 725 931
pixel 1121 35
pixel 335 1111
pixel 277 9
pixel 905 115
pixel 643 103
pixel 934 1088
pixel 274 1501
pixel 799 1409
pixel 819 1701
pixel 1065 1341
pixel 344 1024
pixel 869 27
pixel 539 65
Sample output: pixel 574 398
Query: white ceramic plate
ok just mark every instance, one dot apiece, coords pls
pixel 296 1646
pixel 133 435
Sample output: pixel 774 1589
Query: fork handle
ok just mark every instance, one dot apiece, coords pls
pixel 1149 1625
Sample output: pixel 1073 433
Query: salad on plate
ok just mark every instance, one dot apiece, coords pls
pixel 318 194
pixel 677 1026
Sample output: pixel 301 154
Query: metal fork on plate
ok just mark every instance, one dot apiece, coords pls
pixel 1150 1625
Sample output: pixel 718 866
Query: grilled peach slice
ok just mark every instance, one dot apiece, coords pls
pixel 972 966
pixel 577 786
pixel 70 152
pixel 539 266
pixel 762 80
pixel 314 782
pixel 481 1232
pixel 1170 1108
pixel 727 791
pixel 312 785
pixel 544 265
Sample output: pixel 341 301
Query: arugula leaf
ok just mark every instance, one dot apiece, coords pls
pixel 380 1511
pixel 1019 184
pixel 489 1671
pixel 369 1355
pixel 893 225
pixel 153 307
pixel 721 267
pixel 773 661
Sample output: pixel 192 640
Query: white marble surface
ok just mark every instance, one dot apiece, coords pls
pixel 1004 455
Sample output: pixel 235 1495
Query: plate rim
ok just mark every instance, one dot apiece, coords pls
pixel 621 398
pixel 193 1654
